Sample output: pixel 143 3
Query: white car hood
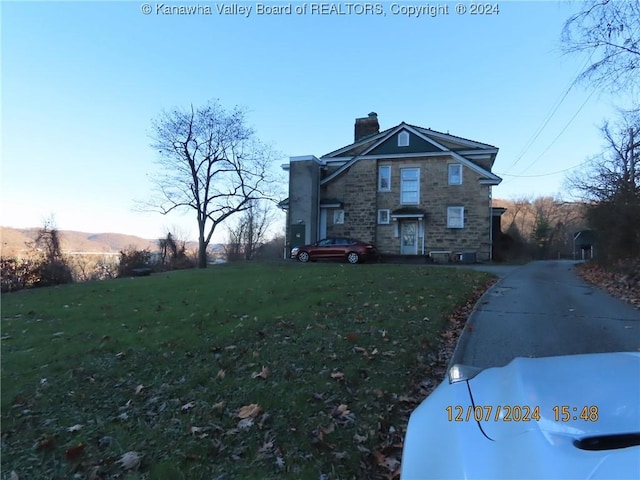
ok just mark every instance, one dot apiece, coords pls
pixel 436 446
pixel 550 383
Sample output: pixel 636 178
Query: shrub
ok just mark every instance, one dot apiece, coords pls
pixel 131 258
pixel 16 274
pixel 53 272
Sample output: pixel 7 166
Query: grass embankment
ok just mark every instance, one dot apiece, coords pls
pixel 251 371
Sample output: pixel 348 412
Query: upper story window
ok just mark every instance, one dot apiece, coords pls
pixel 338 217
pixel 455 174
pixel 455 217
pixel 410 186
pixel 403 139
pixel 384 179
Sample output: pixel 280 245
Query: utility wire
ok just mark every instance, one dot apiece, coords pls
pixel 559 134
pixel 544 174
pixel 549 116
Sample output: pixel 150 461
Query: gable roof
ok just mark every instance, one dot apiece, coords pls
pixel 426 142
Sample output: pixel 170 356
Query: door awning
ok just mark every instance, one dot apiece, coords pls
pixel 408 212
pixel 331 203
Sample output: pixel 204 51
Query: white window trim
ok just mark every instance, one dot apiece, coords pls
pixel 417 202
pixel 403 139
pixel 380 170
pixel 451 215
pixel 459 166
pixel 338 217
pixel 381 213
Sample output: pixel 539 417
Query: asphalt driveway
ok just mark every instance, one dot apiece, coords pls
pixel 544 309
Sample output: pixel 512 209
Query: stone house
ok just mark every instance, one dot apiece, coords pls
pixel 409 190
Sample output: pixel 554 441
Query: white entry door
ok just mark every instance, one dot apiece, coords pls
pixel 409 238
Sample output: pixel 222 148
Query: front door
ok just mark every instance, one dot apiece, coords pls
pixel 409 238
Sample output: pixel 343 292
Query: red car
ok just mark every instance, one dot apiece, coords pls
pixel 353 251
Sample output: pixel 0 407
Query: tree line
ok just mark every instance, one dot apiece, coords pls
pixel 609 185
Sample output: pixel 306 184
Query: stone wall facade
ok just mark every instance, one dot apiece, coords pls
pixel 357 189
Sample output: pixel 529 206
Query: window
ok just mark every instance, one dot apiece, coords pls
pixel 383 216
pixel 384 179
pixel 455 217
pixel 455 174
pixel 403 139
pixel 410 186
pixel 338 217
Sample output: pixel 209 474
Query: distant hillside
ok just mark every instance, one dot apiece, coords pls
pixel 16 240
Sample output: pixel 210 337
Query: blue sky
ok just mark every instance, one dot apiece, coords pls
pixel 81 82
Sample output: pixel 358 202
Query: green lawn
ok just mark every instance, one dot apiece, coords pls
pixel 318 355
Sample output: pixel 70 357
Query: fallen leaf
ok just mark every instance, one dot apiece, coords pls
pixel 264 373
pixel 74 452
pixel 187 406
pixel 75 428
pixel 392 464
pixel 360 438
pixel 337 376
pixel 221 374
pixel 340 411
pixel 139 389
pixel 129 460
pixel 219 406
pixel 249 411
pixel 45 444
pixel 245 423
pixel 329 428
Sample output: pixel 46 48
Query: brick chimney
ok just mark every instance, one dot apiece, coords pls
pixel 367 126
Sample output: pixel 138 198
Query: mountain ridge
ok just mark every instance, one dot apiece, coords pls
pixel 16 241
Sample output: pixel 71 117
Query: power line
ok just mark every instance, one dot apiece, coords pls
pixel 559 134
pixel 549 116
pixel 544 174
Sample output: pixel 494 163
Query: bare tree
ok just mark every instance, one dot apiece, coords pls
pixel 542 226
pixel 612 187
pixel 53 268
pixel 616 171
pixel 609 30
pixel 210 163
pixel 250 231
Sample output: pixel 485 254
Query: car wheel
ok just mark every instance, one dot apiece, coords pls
pixel 303 257
pixel 353 257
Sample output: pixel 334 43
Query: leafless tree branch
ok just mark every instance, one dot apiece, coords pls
pixel 210 162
